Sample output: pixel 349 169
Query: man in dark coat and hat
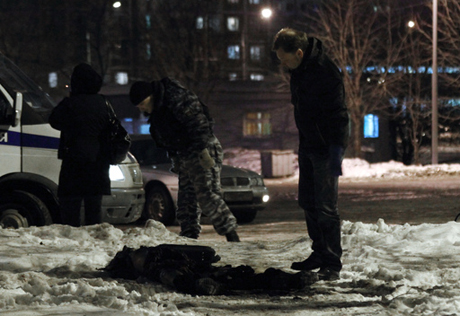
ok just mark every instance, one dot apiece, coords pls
pixel 180 123
pixel 83 120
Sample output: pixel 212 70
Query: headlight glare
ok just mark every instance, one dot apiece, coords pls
pixel 115 173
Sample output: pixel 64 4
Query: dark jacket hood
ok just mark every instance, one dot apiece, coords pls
pixel 85 80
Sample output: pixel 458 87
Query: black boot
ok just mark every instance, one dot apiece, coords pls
pixel 232 236
pixel 311 263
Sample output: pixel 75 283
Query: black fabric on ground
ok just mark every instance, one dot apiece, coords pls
pixel 189 269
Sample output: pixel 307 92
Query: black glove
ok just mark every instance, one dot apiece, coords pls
pixel 335 160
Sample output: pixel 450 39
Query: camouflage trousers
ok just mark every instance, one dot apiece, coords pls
pixel 200 193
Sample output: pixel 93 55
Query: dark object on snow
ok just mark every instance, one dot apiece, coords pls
pixel 189 269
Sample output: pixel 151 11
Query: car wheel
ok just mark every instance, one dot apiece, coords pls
pixel 159 206
pixel 22 209
pixel 244 216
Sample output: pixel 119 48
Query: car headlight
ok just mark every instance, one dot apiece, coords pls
pixel 136 174
pixel 116 174
pixel 258 181
pixel 265 198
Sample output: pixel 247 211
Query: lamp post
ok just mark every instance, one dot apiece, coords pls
pixel 266 14
pixel 434 89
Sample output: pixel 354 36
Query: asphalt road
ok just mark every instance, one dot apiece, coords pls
pixel 396 201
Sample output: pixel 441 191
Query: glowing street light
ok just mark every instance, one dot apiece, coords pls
pixel 266 13
pixel 411 24
pixel 117 4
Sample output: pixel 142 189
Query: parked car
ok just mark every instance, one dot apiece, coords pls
pixel 243 190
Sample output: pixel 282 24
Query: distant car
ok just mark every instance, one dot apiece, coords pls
pixel 243 190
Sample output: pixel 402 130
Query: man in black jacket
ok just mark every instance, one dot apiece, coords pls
pixel 317 93
pixel 83 120
pixel 181 124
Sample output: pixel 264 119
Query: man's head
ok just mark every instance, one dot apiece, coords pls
pixel 141 95
pixel 290 46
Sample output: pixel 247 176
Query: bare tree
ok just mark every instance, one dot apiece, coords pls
pixel 449 61
pixel 412 110
pixel 362 37
pixel 413 90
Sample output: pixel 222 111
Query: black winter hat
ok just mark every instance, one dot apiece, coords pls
pixel 85 80
pixel 139 91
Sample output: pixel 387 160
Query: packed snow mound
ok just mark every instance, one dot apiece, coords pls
pixel 359 168
pixel 351 167
pixel 388 270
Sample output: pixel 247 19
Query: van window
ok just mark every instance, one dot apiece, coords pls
pixel 13 79
pixel 4 106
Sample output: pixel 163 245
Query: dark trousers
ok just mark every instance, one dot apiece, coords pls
pixel 71 212
pixel 318 193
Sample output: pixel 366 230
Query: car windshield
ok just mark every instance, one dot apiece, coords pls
pixel 147 153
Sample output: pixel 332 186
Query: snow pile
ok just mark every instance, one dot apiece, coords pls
pixel 353 168
pixel 358 168
pixel 388 269
pixel 397 270
pixel 243 158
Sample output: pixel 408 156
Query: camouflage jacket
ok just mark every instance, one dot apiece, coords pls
pixel 179 122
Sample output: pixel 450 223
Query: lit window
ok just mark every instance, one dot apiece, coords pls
pixel 144 129
pixel 233 52
pixel 453 102
pixel 257 77
pixel 53 79
pixel 254 1
pixel 199 23
pixel 371 126
pixel 232 76
pixel 256 52
pixel 233 23
pixel 148 21
pixel 257 124
pixel 149 51
pixel 121 78
pixel 128 124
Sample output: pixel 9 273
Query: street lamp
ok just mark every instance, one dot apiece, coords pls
pixel 266 13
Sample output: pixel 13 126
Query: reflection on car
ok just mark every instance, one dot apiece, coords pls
pixel 243 190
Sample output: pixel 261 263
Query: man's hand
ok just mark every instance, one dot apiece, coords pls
pixel 206 160
pixel 335 160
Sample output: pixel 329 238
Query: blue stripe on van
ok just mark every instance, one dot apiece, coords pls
pixel 28 140
pixel 38 141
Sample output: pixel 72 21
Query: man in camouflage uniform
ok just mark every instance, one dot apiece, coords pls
pixel 180 123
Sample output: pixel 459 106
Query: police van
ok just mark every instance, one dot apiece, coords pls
pixel 29 168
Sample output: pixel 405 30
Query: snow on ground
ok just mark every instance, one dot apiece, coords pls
pixel 388 269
